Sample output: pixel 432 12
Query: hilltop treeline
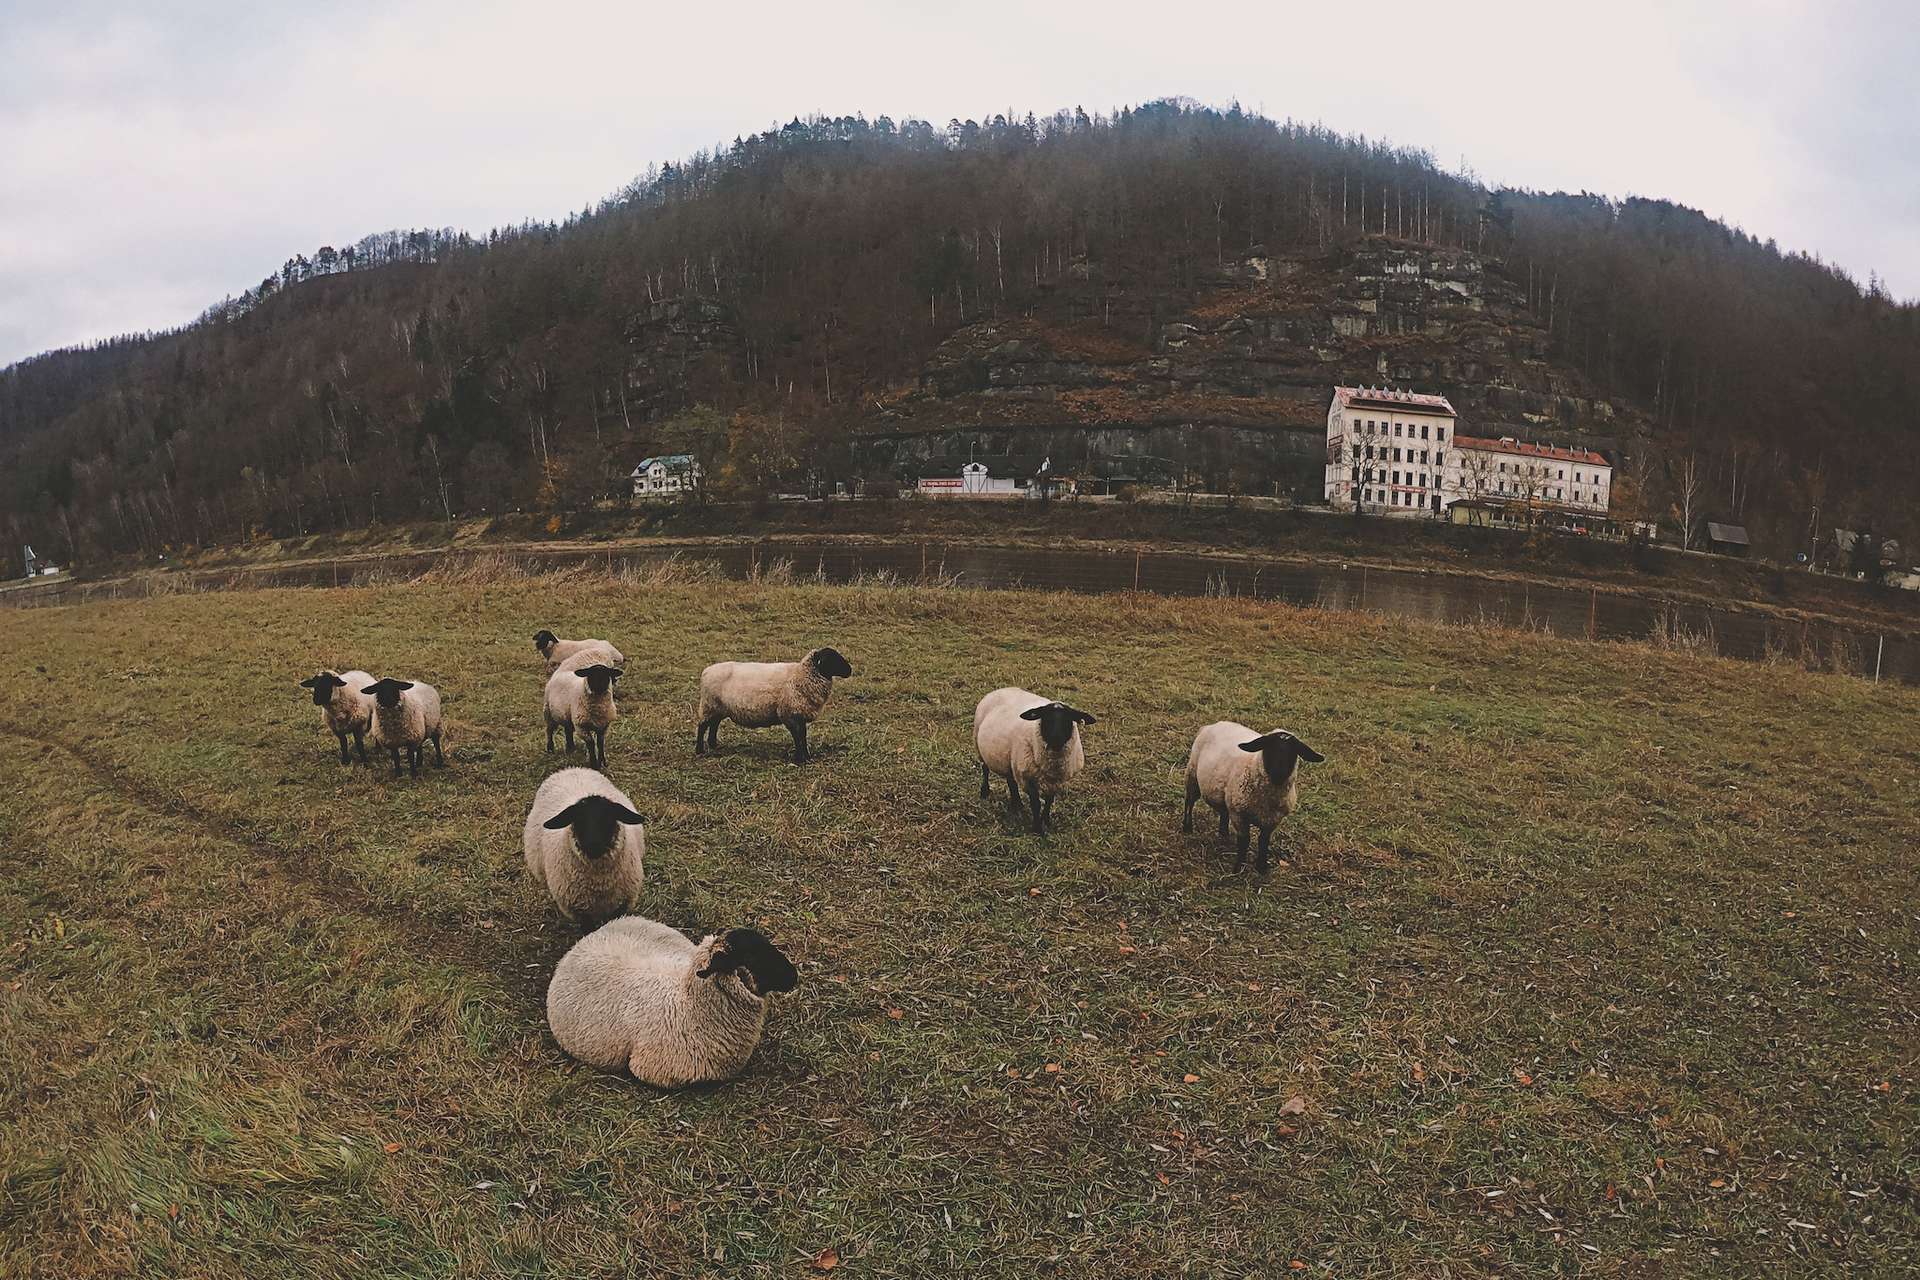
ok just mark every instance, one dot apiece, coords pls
pixel 426 373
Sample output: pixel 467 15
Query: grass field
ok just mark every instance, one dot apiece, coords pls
pixel 1586 959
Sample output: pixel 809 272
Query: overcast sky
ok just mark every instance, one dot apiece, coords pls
pixel 157 157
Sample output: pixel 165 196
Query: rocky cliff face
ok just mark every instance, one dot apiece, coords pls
pixel 682 352
pixel 1245 367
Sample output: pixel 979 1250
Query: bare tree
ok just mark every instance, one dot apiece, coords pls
pixel 1689 498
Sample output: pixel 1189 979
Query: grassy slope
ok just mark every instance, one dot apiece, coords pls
pixel 1588 957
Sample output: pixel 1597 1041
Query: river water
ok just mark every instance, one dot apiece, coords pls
pixel 1433 597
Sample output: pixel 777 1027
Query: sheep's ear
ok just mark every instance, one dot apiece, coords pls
pixel 1308 753
pixel 624 815
pixel 371 689
pixel 309 682
pixel 720 961
pixel 1033 713
pixel 1083 717
pixel 1257 744
pixel 563 819
pixel 403 685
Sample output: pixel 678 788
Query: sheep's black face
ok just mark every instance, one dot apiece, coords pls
pixel 544 640
pixel 387 692
pixel 323 686
pixel 1280 753
pixel 596 823
pixel 599 678
pixel 830 664
pixel 751 955
pixel 1057 720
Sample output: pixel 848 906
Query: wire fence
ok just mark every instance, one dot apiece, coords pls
pixel 1439 597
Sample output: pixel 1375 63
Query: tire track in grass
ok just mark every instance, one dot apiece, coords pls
pixel 520 964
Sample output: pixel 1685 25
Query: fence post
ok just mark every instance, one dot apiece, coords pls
pixel 1136 569
pixel 1877 655
pixel 923 563
pixel 1593 608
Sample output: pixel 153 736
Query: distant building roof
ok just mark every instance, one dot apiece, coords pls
pixel 668 460
pixel 1387 398
pixel 1587 456
pixel 1734 535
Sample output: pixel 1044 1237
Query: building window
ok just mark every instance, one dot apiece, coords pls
pixel 1439 457
pixel 1356 451
pixel 1396 428
pixel 1423 431
pixel 1439 433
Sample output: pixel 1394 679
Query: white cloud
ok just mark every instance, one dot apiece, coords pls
pixel 152 166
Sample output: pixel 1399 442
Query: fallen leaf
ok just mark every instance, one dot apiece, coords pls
pixel 1296 1105
pixel 1522 1076
pixel 827 1259
pixel 1034 892
pixel 1053 1068
pixel 1013 1073
pixel 1191 1078
pixel 1164 1180
pixel 1718 1182
pixel 1610 1191
pixel 1126 951
pixel 895 1014
pixel 1660 1162
pixel 391 1147
pixel 1419 1074
pixel 1284 1131
pixel 173 1212
pixel 1296 1265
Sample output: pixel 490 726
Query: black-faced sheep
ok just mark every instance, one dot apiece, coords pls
pixel 1032 742
pixel 756 695
pixel 1251 778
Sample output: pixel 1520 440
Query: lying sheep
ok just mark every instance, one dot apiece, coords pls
pixel 635 994
pixel 580 696
pixel 406 714
pixel 1251 777
pixel 556 651
pixel 344 707
pixel 585 846
pixel 1031 742
pixel 755 695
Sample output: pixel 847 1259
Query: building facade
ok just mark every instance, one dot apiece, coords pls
pixel 1398 453
pixel 1387 450
pixel 666 477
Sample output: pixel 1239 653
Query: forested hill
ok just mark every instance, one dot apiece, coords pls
pixel 823 282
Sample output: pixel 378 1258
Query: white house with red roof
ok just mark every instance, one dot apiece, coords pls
pixel 1397 453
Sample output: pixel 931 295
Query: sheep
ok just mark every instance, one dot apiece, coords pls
pixel 1033 743
pixel 406 714
pixel 755 695
pixel 346 710
pixel 1253 778
pixel 637 995
pixel 556 651
pixel 580 696
pixel 585 846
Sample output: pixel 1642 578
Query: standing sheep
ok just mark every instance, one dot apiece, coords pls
pixel 638 995
pixel 585 846
pixel 345 708
pixel 1252 777
pixel 406 714
pixel 1033 743
pixel 556 651
pixel 581 697
pixel 755 695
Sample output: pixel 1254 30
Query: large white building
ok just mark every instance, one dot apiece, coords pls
pixel 667 476
pixel 1397 453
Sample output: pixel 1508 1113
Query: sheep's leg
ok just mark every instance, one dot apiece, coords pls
pixel 1260 862
pixel 1223 822
pixel 568 726
pixel 344 757
pixel 1014 801
pixel 360 745
pixel 396 761
pixel 414 752
pixel 1193 798
pixel 439 757
pixel 986 779
pixel 798 728
pixel 1049 813
pixel 1240 858
pixel 600 749
pixel 551 726
pixel 699 737
pixel 1039 815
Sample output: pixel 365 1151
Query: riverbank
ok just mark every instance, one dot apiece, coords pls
pixel 1614 975
pixel 1245 535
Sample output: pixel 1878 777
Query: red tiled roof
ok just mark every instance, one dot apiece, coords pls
pixel 1390 399
pixel 1586 456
